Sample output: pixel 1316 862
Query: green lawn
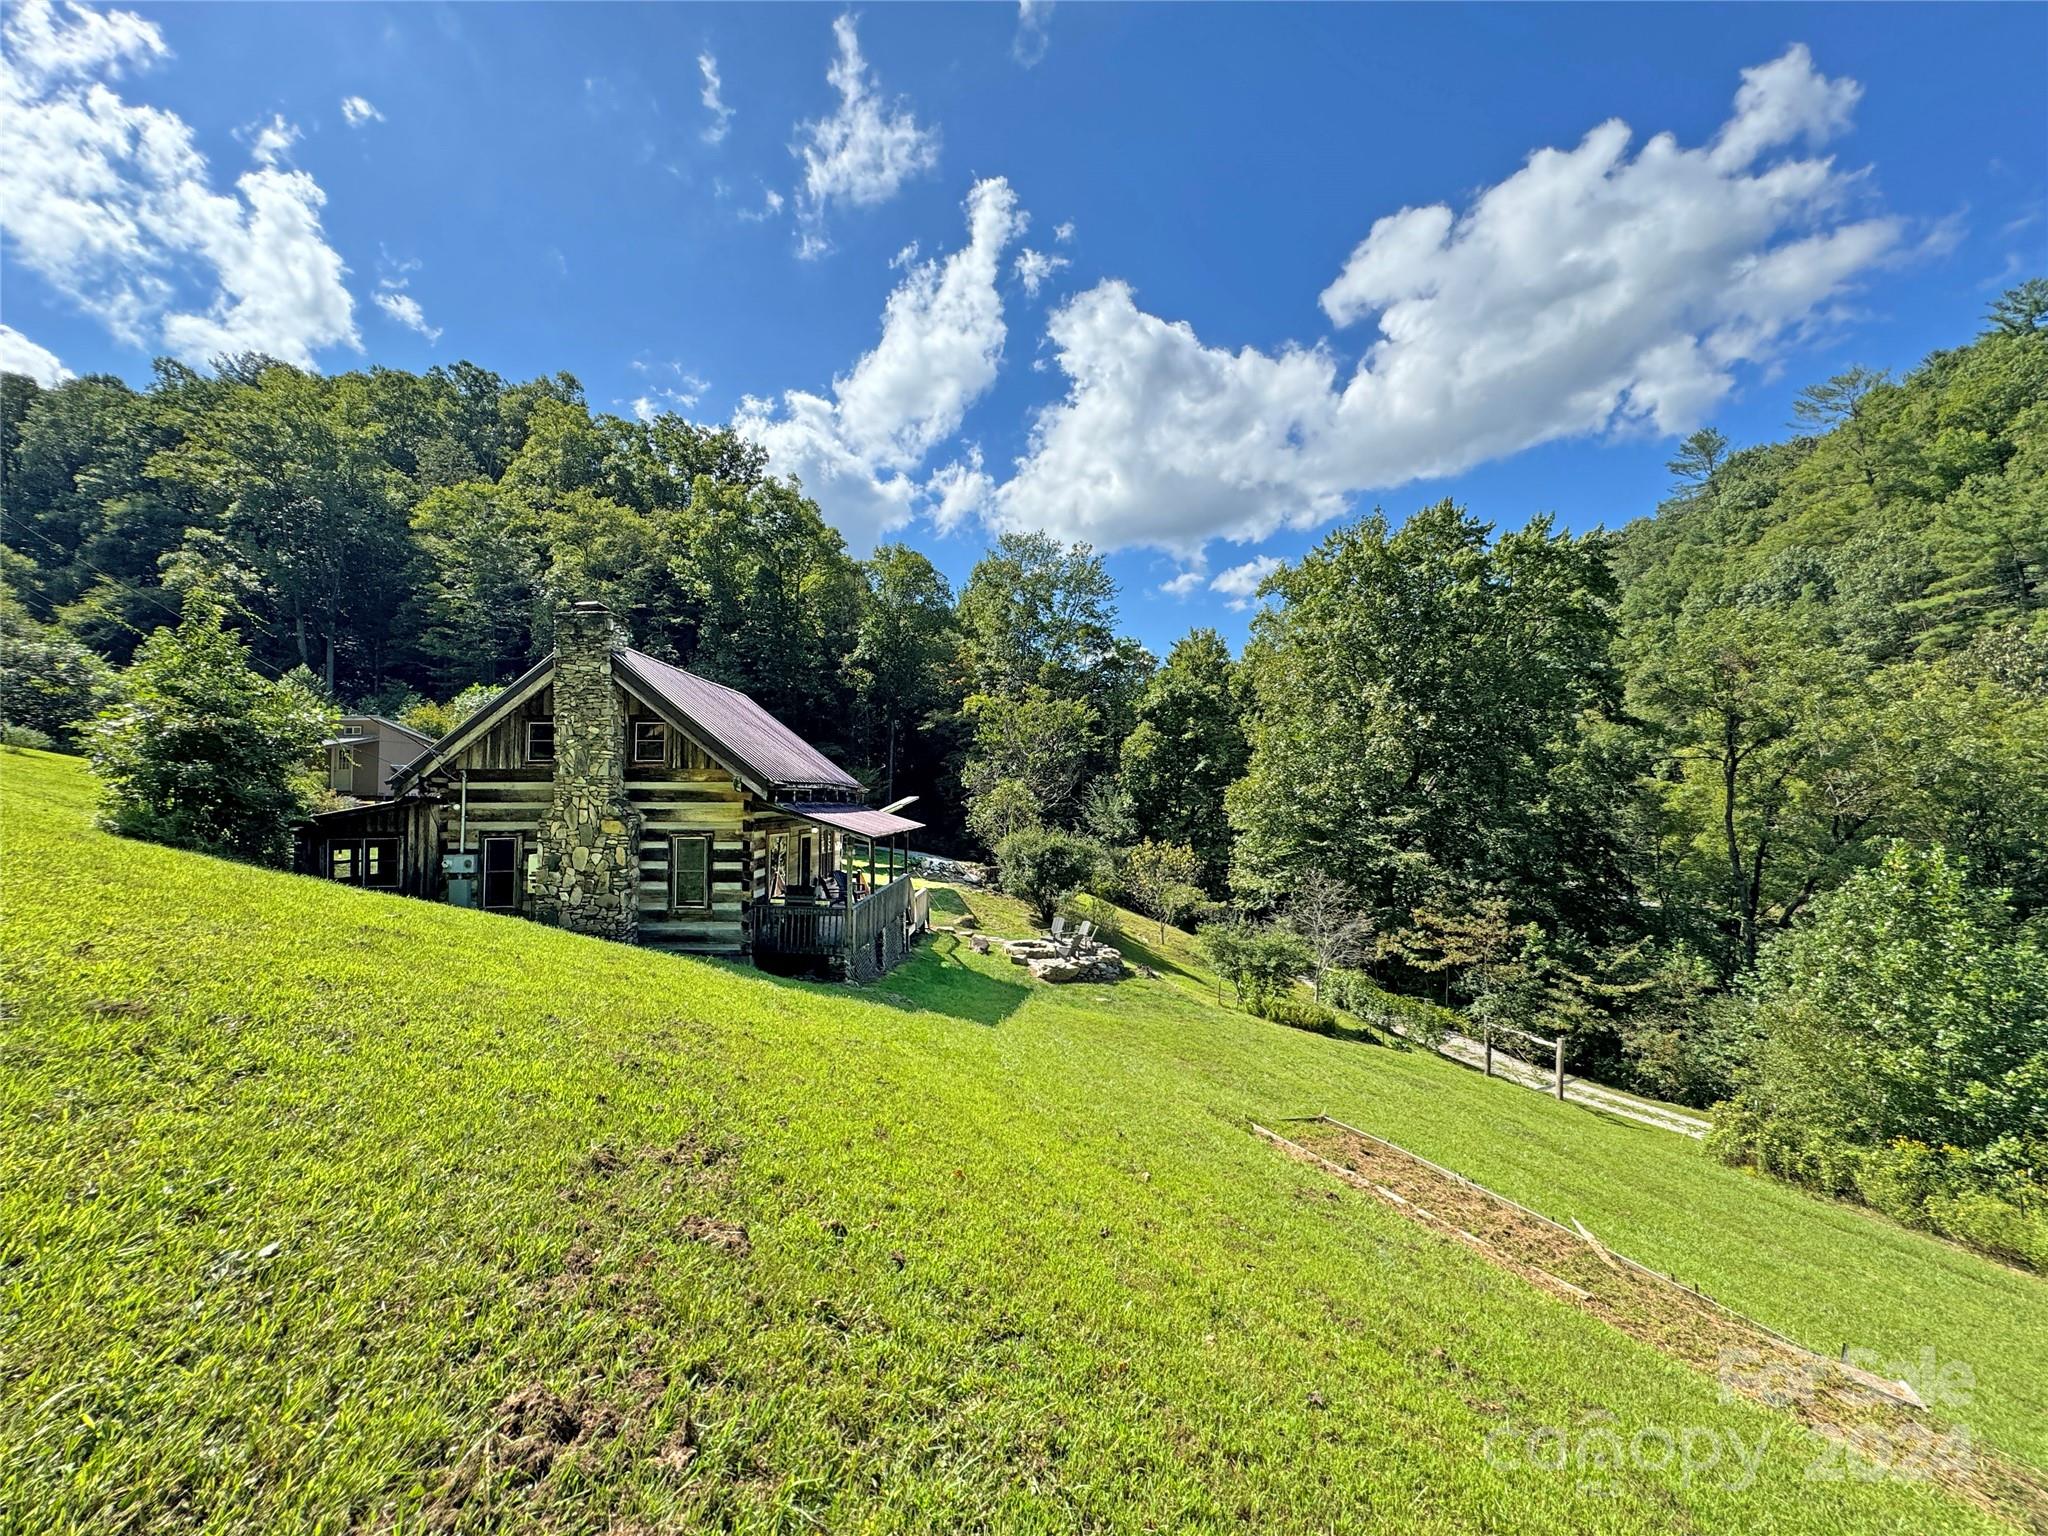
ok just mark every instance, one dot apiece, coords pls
pixel 304 1190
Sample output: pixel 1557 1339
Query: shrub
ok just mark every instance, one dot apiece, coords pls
pixel 1257 962
pixel 25 736
pixel 49 683
pixel 1955 1193
pixel 1039 865
pixel 204 753
pixel 1416 1018
pixel 1086 907
pixel 1296 1013
pixel 1902 1053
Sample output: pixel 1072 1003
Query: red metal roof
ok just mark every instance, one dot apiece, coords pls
pixel 857 819
pixel 732 720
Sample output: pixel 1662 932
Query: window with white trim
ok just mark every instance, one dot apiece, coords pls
pixel 650 740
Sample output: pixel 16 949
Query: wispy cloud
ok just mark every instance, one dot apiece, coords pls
pixel 681 391
pixel 864 152
pixel 714 103
pixel 1033 268
pixel 357 111
pixel 270 142
pixel 401 306
pixel 1033 18
pixel 771 207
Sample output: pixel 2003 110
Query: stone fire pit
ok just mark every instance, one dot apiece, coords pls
pixel 1090 962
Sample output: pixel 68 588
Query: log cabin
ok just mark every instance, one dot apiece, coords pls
pixel 610 793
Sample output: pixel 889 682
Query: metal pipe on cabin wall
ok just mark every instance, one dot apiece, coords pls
pixel 462 823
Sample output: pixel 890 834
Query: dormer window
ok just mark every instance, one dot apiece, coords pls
pixel 650 741
pixel 540 741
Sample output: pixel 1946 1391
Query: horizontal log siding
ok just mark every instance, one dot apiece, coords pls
pixel 498 802
pixel 686 793
pixel 683 799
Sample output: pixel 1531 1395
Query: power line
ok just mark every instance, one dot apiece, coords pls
pixel 142 592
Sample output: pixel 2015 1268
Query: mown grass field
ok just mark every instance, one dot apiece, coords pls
pixel 320 1209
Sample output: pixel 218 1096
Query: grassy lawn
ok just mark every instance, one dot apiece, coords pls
pixel 321 1208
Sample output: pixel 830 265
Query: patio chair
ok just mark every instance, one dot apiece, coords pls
pixel 1082 935
pixel 1059 930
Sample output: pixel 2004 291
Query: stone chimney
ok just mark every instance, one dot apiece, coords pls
pixel 586 877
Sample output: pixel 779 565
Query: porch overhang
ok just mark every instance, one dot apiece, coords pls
pixel 857 819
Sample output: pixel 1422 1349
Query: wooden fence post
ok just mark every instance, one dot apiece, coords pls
pixel 1489 1050
pixel 1560 1068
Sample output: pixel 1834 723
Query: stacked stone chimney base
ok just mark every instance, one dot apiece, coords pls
pixel 586 877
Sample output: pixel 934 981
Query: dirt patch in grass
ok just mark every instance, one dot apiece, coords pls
pixel 1871 1417
pixel 729 1236
pixel 531 1430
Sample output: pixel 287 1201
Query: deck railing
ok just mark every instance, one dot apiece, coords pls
pixel 799 928
pixel 868 936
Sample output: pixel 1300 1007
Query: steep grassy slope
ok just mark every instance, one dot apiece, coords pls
pixel 324 1207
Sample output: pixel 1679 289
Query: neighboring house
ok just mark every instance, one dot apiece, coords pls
pixel 369 751
pixel 613 794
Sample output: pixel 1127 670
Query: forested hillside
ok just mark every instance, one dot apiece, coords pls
pixel 1576 782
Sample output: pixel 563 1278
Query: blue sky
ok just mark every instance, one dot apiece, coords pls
pixel 1311 264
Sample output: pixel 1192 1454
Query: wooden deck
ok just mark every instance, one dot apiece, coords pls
pixel 864 939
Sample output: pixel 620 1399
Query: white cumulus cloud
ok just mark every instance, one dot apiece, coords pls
pixel 1592 290
pixel 356 111
pixel 959 491
pixel 1241 582
pixel 864 152
pixel 20 355
pixel 721 115
pixel 1033 268
pixel 1183 584
pixel 942 341
pixel 272 141
pixel 112 203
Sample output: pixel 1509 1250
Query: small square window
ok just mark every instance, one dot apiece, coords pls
pixel 540 741
pixel 341 862
pixel 380 863
pixel 650 741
